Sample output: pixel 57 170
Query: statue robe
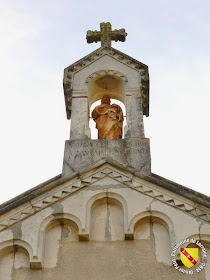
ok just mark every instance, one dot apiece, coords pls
pixel 109 121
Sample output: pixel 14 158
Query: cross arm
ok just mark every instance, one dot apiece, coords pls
pixel 93 36
pixel 118 35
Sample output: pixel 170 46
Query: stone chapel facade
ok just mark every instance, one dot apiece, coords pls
pixel 107 216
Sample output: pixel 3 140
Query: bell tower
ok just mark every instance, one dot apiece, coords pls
pixel 107 71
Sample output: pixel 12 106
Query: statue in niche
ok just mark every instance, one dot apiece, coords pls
pixel 109 119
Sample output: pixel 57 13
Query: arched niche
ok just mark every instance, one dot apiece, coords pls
pixel 107 220
pixel 58 230
pixel 48 224
pixel 102 195
pixel 106 82
pixel 155 229
pixel 13 257
pixel 102 83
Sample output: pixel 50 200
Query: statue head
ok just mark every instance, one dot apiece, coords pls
pixel 105 100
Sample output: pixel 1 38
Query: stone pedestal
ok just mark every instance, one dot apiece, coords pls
pixel 131 152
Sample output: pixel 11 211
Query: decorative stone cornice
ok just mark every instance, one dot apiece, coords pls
pixel 123 58
pixel 106 170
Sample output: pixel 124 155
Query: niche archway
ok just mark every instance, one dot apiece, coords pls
pixel 56 231
pixel 106 82
pixel 107 220
pixel 13 257
pixel 156 230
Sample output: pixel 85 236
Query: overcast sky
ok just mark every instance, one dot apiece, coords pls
pixel 38 39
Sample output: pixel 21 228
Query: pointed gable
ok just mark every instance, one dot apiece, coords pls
pixel 109 174
pixel 97 56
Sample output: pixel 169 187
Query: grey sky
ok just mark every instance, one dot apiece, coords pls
pixel 40 38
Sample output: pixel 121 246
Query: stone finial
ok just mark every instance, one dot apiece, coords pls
pixel 106 35
pixel 109 119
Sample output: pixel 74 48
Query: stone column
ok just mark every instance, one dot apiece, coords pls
pixel 134 113
pixel 79 119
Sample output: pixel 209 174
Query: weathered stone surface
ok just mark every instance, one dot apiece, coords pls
pixel 135 124
pixel 21 201
pixel 132 152
pixel 119 260
pixel 106 35
pixel 103 205
pixel 79 119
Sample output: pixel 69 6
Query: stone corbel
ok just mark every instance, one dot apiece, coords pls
pixel 35 263
pixel 83 235
pixel 129 235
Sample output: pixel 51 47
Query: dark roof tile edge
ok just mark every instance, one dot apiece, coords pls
pixel 182 190
pixel 26 196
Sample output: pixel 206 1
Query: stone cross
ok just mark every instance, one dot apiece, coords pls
pixel 106 35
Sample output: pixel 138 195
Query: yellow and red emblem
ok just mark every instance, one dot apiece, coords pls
pixel 189 256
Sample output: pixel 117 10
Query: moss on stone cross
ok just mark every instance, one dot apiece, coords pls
pixel 106 35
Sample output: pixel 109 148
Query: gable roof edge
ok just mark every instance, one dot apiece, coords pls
pixel 188 193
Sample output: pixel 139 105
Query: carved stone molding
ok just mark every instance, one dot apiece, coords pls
pixel 129 181
pixel 106 72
